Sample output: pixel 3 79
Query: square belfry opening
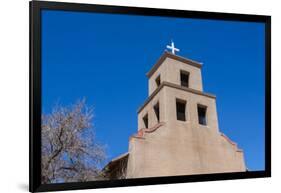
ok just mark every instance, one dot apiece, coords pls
pixel 180 106
pixel 145 120
pixel 202 114
pixel 157 111
pixel 158 80
pixel 184 76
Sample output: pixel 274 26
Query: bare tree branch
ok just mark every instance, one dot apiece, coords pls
pixel 70 152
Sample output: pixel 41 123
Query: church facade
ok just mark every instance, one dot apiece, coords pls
pixel 178 131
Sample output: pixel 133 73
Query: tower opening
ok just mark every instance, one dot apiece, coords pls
pixel 157 112
pixel 184 76
pixel 180 105
pixel 145 120
pixel 158 80
pixel 202 111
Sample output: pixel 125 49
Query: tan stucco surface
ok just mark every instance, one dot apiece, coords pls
pixel 169 71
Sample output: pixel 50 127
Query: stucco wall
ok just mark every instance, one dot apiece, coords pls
pixel 183 148
pixel 192 100
pixel 148 109
pixel 170 72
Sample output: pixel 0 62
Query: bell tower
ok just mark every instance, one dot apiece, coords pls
pixel 175 86
pixel 184 72
pixel 178 131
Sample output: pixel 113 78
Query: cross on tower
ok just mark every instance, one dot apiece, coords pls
pixel 173 48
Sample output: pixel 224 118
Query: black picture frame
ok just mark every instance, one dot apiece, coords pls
pixel 35 95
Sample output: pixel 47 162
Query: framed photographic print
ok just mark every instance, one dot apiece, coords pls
pixel 125 96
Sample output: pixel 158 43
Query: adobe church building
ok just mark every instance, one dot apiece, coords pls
pixel 178 131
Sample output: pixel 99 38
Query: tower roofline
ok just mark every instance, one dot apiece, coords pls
pixel 172 85
pixel 175 57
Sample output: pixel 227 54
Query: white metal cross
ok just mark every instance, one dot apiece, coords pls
pixel 173 48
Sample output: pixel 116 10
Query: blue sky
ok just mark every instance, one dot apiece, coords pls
pixel 104 58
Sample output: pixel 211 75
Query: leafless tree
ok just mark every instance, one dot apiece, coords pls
pixel 70 152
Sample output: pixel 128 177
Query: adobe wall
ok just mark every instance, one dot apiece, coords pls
pixel 170 72
pixel 183 148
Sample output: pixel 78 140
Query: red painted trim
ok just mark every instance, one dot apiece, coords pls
pixel 142 131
